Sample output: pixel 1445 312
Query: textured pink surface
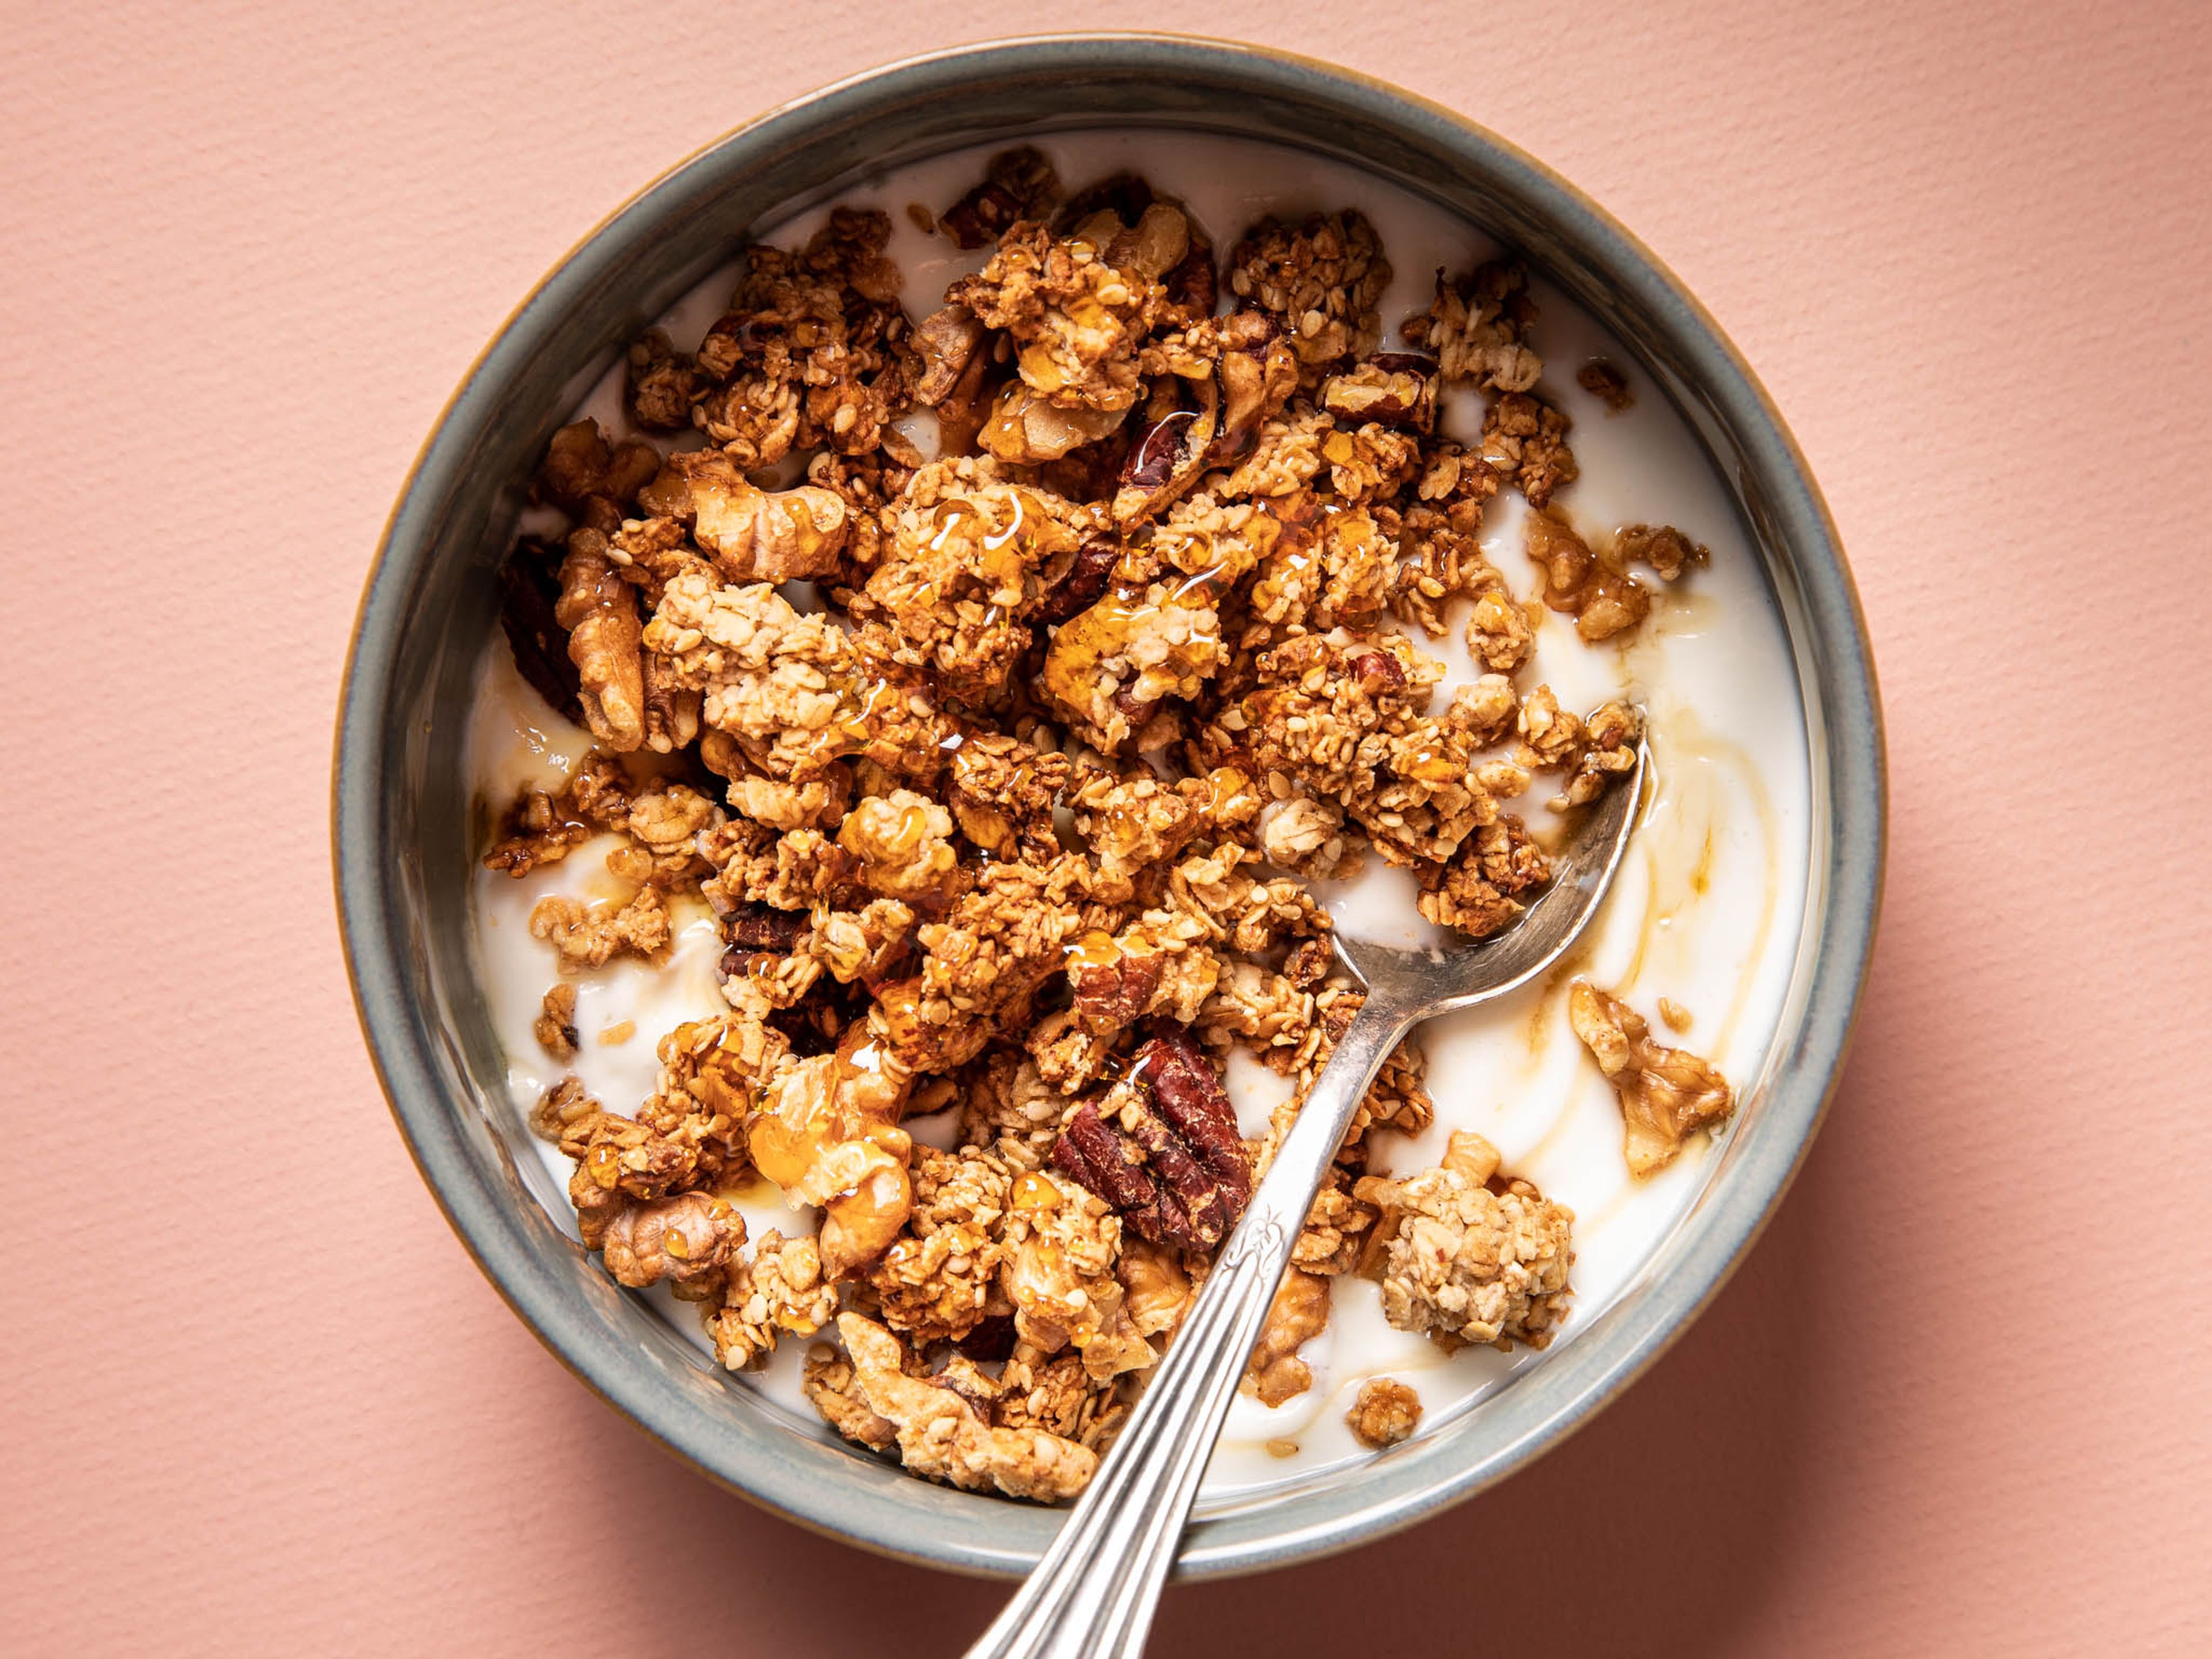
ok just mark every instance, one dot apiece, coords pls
pixel 257 1400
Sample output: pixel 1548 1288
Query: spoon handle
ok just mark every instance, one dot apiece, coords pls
pixel 1093 1593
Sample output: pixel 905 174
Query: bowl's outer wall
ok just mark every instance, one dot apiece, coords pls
pixel 402 826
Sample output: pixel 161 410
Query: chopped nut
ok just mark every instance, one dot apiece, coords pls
pixel 1591 585
pixel 1297 1315
pixel 1666 1094
pixel 1477 325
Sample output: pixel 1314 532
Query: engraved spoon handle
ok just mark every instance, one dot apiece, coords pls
pixel 1093 1593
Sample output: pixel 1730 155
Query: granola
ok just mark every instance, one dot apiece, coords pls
pixel 1002 772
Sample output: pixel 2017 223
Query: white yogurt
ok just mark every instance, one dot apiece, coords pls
pixel 1705 911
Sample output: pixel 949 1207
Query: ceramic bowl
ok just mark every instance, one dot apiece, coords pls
pixel 401 804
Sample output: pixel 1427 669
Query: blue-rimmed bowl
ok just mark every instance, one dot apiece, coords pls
pixel 401 812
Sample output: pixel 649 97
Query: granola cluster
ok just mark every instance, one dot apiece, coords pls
pixel 1002 770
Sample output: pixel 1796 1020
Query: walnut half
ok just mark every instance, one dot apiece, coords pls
pixel 1665 1093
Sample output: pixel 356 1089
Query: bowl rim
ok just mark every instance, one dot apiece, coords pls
pixel 1849 740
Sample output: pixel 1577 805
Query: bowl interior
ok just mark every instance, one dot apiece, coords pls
pixel 403 822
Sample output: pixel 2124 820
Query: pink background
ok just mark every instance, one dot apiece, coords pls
pixel 257 1400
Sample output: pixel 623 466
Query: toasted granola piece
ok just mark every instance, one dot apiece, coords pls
pixel 1077 307
pixel 1610 734
pixel 1336 1228
pixel 1131 824
pixel 813 351
pixel 1250 915
pixel 1466 1261
pixel 1474 892
pixel 1370 463
pixel 1525 439
pixel 1604 380
pixel 1664 547
pixel 938 1281
pixel 1297 1315
pixel 1305 834
pixel 1017 184
pixel 1590 585
pixel 982 962
pixel 1322 279
pixel 1007 1104
pixel 1068 1055
pixel 1284 459
pixel 651 553
pixel 545 827
pixel 1397 1099
pixel 777 1292
pixel 1666 1094
pixel 903 841
pixel 1158 965
pixel 871 945
pixel 1110 667
pixel 1061 1244
pixel 1498 636
pixel 965 566
pixel 1478 326
pixel 1386 1412
pixel 1439 550
pixel 555 1028
pixel 712 1071
pixel 753 535
pixel 1271 1013
pixel 660 383
pixel 1002 790
pixel 941 1436
pixel 664 826
pixel 599 611
pixel 588 935
pixel 787 687
pixel 1056 1395
pixel 826 1131
pixel 565 1107
pixel 686 1240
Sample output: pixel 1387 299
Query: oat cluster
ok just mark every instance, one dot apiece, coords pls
pixel 1000 680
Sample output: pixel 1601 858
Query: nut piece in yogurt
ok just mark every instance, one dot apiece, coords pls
pixel 1666 1094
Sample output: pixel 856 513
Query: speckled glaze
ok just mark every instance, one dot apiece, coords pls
pixel 401 828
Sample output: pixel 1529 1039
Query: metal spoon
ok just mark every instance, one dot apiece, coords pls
pixel 1093 1593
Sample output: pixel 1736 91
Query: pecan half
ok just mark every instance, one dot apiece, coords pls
pixel 1171 1160
pixel 1071 592
pixel 530 587
pixel 1168 457
pixel 753 927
